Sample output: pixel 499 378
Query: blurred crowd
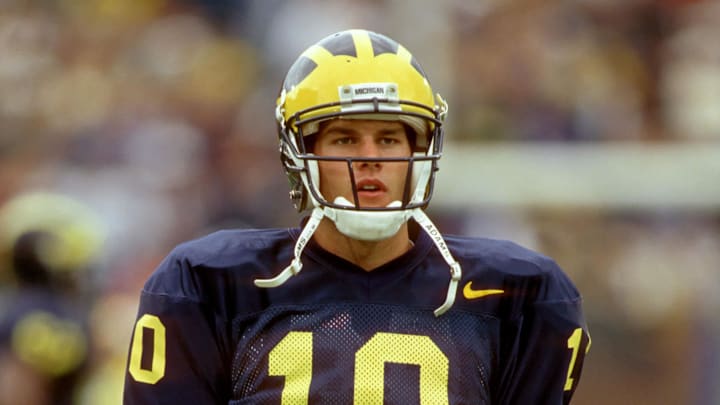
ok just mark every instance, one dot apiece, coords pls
pixel 153 122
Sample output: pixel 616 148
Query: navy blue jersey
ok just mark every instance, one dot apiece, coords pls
pixel 336 334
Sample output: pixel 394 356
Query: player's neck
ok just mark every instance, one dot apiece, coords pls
pixel 367 255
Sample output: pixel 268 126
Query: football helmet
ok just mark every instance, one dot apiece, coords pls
pixel 50 232
pixel 359 74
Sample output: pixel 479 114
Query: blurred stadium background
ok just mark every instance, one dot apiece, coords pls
pixel 588 130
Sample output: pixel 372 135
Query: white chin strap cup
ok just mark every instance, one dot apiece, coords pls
pixel 369 226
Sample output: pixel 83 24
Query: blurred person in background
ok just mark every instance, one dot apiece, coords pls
pixel 47 241
pixel 375 316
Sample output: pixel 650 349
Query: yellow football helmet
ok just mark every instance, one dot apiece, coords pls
pixel 357 73
pixel 69 236
pixel 360 74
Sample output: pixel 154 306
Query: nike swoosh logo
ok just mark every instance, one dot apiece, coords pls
pixel 471 294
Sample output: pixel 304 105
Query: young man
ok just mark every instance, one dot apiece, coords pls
pixel 359 305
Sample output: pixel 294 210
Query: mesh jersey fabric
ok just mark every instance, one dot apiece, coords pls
pixel 336 334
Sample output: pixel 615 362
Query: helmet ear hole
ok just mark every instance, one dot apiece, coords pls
pixel 309 143
pixel 412 138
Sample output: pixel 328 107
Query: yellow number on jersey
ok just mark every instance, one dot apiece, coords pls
pixel 406 349
pixel 157 370
pixel 573 343
pixel 292 358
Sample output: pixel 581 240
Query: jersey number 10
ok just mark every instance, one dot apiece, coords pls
pixel 292 358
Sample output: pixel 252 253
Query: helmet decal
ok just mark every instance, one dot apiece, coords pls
pixel 339 44
pixel 298 72
pixel 382 44
pixel 352 44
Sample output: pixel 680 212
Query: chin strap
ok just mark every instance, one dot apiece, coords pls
pixel 455 270
pixel 420 217
pixel 296 265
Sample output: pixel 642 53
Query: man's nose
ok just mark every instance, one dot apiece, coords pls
pixel 367 148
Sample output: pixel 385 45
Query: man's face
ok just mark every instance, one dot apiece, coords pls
pixel 378 183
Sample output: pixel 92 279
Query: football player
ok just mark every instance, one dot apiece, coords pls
pixel 366 302
pixel 48 244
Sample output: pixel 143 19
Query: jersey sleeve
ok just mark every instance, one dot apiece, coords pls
pixel 545 349
pixel 177 352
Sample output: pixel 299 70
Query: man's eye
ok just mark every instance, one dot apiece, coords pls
pixel 343 141
pixel 389 141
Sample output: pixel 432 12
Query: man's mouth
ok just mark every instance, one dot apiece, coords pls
pixel 371 193
pixel 370 186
